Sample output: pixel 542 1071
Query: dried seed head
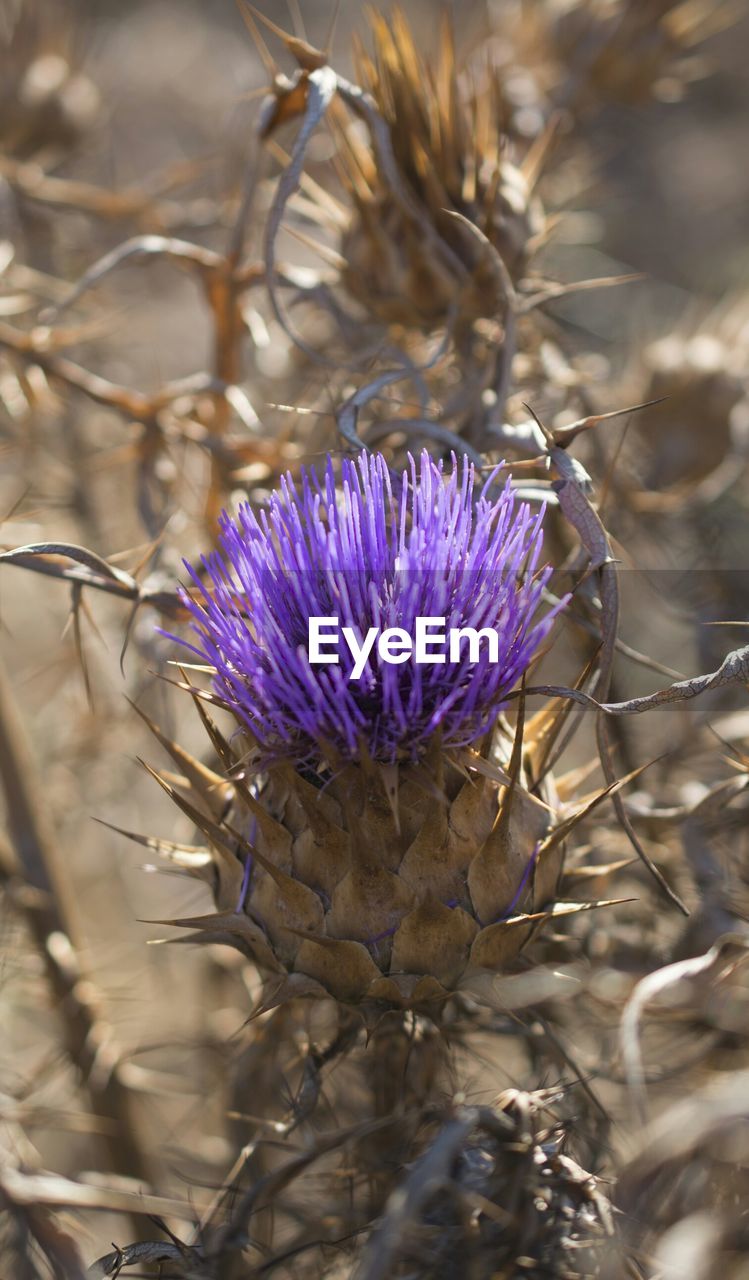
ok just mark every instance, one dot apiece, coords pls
pixel 408 256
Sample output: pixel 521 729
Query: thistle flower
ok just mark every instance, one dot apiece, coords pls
pixel 374 560
pixel 375 838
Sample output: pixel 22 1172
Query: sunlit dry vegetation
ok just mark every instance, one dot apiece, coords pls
pixel 289 988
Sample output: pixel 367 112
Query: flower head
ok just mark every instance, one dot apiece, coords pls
pixel 372 553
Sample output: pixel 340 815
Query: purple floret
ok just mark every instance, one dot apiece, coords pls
pixel 370 555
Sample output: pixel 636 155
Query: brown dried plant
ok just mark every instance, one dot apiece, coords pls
pixel 461 1098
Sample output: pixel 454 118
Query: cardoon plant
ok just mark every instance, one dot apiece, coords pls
pixel 385 836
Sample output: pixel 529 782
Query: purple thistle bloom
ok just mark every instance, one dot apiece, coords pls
pixel 370 555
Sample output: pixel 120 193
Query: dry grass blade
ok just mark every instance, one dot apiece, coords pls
pixel 90 570
pixel 76 196
pixel 183 252
pixel 734 669
pixel 54 925
pixel 320 87
pixel 231 1236
pixel 729 950
pixel 149 1254
pixel 573 490
pixel 348 414
pixel 57 1192
pixel 421 428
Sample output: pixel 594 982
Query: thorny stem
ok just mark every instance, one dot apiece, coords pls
pixel 33 183
pixel 222 294
pixel 223 290
pixel 404 1064
pixel 52 919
